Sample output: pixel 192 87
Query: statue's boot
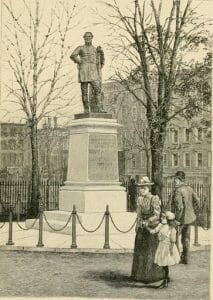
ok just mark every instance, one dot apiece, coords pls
pixel 86 106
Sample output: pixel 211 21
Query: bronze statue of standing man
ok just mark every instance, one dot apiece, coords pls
pixel 90 61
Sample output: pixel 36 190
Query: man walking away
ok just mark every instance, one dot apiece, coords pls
pixel 185 205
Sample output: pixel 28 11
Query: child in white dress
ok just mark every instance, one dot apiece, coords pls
pixel 167 253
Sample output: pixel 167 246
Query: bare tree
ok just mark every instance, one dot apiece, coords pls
pixel 37 53
pixel 150 52
pixel 53 148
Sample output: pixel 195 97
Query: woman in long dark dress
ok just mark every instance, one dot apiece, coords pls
pixel 148 212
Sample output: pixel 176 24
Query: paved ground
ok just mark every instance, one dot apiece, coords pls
pixel 119 241
pixel 95 275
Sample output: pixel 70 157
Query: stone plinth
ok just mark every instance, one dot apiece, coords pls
pixel 92 176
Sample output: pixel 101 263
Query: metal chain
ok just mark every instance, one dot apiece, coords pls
pixel 122 231
pixel 11 205
pixel 28 228
pixel 63 227
pixel 2 225
pixel 90 231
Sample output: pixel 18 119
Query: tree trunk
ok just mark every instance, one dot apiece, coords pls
pixel 157 171
pixel 35 180
pixel 157 140
pixel 148 164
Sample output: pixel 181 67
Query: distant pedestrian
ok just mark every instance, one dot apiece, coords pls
pixel 185 205
pixel 132 192
pixel 167 253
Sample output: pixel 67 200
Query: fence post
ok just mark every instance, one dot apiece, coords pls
pixel 106 244
pixel 74 244
pixel 10 237
pixel 18 209
pixel 196 243
pixel 40 237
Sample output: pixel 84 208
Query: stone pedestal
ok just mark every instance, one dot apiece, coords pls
pixel 92 177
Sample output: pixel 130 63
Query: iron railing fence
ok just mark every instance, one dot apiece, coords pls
pixel 10 191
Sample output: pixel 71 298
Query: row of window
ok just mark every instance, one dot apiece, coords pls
pixel 12 159
pixel 173 137
pixel 186 162
pixel 11 130
pixel 11 144
pixel 197 134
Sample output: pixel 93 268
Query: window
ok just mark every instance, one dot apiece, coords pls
pixel 175 160
pixel 199 160
pixel 120 140
pixel 134 111
pixel 198 134
pixel 165 159
pixel 134 137
pixel 124 113
pixel 175 136
pixel 124 138
pixel 187 160
pixel 143 113
pixel 133 161
pixel 186 135
pixel 209 159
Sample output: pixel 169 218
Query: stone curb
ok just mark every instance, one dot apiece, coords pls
pixel 80 250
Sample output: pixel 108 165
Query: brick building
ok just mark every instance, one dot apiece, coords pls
pixel 15 151
pixel 12 149
pixel 187 147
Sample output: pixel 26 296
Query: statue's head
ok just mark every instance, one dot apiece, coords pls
pixel 88 37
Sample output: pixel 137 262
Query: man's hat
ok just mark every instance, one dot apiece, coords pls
pixel 180 175
pixel 145 182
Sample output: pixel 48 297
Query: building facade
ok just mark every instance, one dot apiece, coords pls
pixel 15 151
pixel 187 146
pixel 12 149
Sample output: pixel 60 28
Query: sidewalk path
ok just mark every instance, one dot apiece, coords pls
pixel 120 242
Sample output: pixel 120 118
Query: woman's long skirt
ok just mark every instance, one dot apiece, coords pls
pixel 143 268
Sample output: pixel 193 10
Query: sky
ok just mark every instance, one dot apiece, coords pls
pixel 87 19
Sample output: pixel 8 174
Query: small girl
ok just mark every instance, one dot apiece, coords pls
pixel 167 253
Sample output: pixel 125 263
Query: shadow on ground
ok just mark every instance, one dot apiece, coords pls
pixel 117 279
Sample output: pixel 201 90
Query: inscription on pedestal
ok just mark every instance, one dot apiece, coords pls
pixel 103 157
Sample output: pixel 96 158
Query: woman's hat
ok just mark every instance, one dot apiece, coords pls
pixel 169 215
pixel 145 181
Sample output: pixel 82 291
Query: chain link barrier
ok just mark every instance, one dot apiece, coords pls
pixel 90 231
pixel 57 229
pixel 2 225
pixel 28 228
pixel 122 231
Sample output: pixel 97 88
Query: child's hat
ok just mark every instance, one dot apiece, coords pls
pixel 169 215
